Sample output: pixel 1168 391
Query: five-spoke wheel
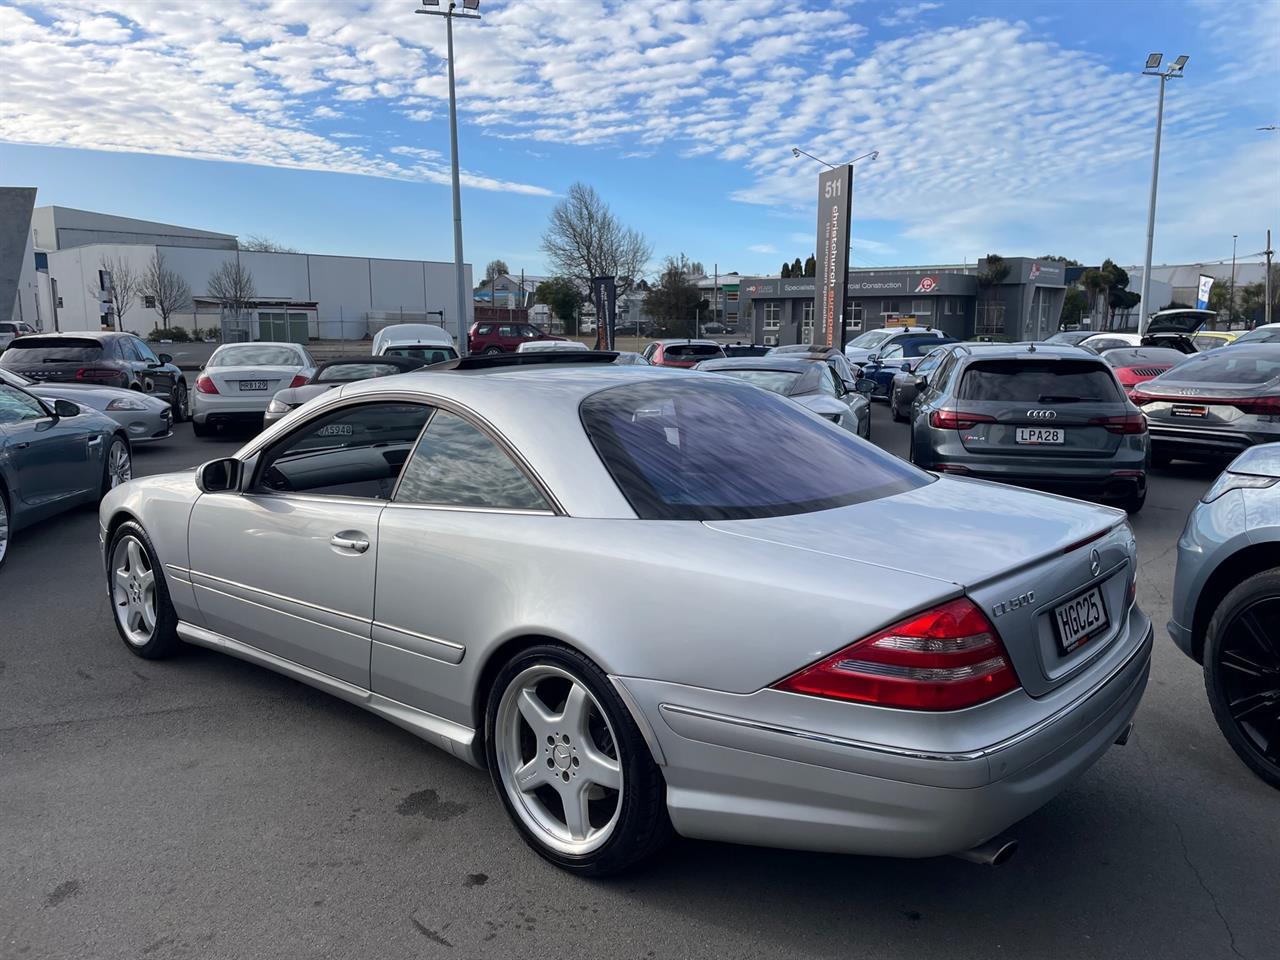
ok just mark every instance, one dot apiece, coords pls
pixel 144 616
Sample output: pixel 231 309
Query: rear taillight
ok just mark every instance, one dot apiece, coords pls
pixel 1140 399
pixel 1258 406
pixel 1128 423
pixel 943 659
pixel 298 381
pixel 955 420
pixel 99 373
pixel 205 385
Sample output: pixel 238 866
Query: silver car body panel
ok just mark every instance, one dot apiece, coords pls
pixel 742 761
pixel 153 422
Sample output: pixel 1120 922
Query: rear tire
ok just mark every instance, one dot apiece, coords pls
pixel 617 827
pixel 178 402
pixel 1161 458
pixel 894 409
pixel 6 525
pixel 1242 672
pixel 490 351
pixel 1134 502
pixel 139 596
pixel 200 429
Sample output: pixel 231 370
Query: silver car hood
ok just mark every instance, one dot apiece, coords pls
pixel 961 531
pixel 95 396
pixel 1260 461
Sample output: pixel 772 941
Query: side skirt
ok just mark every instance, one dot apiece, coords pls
pixel 453 737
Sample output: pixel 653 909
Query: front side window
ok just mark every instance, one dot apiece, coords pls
pixel 144 351
pixel 507 330
pixel 17 407
pixel 892 353
pixel 871 339
pixel 457 465
pixel 719 450
pixel 352 452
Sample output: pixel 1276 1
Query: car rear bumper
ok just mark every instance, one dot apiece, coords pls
pixel 213 409
pixel 751 780
pixel 1200 443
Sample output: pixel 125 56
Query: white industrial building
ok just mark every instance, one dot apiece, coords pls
pixel 347 298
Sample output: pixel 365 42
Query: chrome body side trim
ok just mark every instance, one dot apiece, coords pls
pixel 453 737
pixel 1143 649
pixel 277 610
pixel 267 593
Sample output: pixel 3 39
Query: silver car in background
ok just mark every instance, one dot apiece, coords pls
pixel 334 373
pixel 812 383
pixel 236 386
pixel 145 418
pixel 817 695
pixel 1226 604
pixel 1212 406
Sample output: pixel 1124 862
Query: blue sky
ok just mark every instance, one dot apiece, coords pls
pixel 1020 128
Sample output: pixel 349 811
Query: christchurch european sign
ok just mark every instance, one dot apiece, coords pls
pixel 835 192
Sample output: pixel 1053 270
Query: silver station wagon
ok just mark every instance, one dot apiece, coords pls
pixel 445 549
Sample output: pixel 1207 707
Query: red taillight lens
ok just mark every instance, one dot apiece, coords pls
pixel 1258 406
pixel 1140 399
pixel 1129 423
pixel 298 381
pixel 205 385
pixel 98 373
pixel 943 659
pixel 955 420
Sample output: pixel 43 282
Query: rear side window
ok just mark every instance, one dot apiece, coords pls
pixel 52 350
pixel 725 451
pixel 1029 381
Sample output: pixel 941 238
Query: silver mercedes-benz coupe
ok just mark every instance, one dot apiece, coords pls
pixel 871 659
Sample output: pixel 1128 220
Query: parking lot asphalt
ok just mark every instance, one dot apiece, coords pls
pixel 203 807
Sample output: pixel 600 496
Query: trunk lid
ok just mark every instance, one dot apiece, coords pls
pixel 1018 554
pixel 259 381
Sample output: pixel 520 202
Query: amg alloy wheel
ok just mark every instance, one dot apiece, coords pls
pixel 1242 672
pixel 144 615
pixel 571 766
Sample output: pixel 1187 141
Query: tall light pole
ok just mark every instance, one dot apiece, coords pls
pixel 1231 308
pixel 449 15
pixel 1152 69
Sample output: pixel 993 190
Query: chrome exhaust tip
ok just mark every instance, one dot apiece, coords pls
pixel 994 853
pixel 1124 735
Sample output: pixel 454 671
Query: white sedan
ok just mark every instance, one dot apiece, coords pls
pixel 238 382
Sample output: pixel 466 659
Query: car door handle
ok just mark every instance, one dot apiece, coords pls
pixel 354 544
pixel 22 445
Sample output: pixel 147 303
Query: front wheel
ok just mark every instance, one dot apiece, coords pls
pixel 490 351
pixel 4 526
pixel 570 765
pixel 1242 672
pixel 117 467
pixel 143 613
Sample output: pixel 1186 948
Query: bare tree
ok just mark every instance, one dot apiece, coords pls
pixel 259 244
pixel 232 286
pixel 165 287
pixel 123 286
pixel 495 269
pixel 584 239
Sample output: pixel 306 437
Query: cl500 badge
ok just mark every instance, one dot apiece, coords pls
pixel 1013 603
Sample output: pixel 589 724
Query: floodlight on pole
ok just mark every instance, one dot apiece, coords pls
pixel 797 153
pixel 1152 69
pixel 451 14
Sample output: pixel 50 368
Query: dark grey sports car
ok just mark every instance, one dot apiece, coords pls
pixel 334 373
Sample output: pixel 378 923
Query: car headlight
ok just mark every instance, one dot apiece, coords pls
pixel 1236 481
pixel 126 403
pixel 278 406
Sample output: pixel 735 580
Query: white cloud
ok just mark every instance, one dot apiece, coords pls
pixel 907 13
pixel 763 248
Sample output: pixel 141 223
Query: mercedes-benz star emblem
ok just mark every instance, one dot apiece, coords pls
pixel 1095 562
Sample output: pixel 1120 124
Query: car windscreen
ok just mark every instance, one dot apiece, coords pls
pixel 425 354
pixel 871 338
pixel 1143 357
pixel 1234 365
pixel 1070 336
pixel 1266 335
pixel 718 450
pixel 27 350
pixel 346 372
pixel 255 355
pixel 775 381
pixel 1023 380
pixel 692 351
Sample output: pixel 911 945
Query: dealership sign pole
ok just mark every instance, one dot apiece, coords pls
pixel 605 294
pixel 835 194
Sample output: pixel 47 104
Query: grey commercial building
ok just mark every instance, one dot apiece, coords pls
pixel 1025 306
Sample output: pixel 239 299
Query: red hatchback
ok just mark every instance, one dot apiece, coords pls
pixel 681 353
pixel 491 337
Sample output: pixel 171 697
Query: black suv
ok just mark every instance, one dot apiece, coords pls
pixel 106 359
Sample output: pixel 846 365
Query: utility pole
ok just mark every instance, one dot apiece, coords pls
pixel 1266 308
pixel 449 15
pixel 1153 70
pixel 1231 310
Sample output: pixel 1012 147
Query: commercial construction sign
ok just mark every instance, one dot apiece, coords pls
pixel 835 194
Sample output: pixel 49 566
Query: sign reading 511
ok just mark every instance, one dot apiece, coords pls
pixel 835 194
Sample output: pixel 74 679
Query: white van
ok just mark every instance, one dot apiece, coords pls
pixel 13 328
pixel 418 341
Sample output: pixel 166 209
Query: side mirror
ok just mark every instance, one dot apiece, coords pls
pixel 166 358
pixel 65 408
pixel 865 386
pixel 921 382
pixel 219 476
pixel 873 358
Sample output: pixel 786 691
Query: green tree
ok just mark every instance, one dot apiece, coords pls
pixel 785 271
pixel 1253 299
pixel 811 267
pixel 797 268
pixel 1065 261
pixel 1074 305
pixel 992 272
pixel 675 300
pixel 563 297
pixel 1220 299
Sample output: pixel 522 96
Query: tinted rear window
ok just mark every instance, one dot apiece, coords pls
pixel 775 381
pixel 725 451
pixel 255 355
pixel 27 350
pixel 1029 381
pixel 1232 365
pixel 425 354
pixel 690 351
pixel 344 372
pixel 1268 335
